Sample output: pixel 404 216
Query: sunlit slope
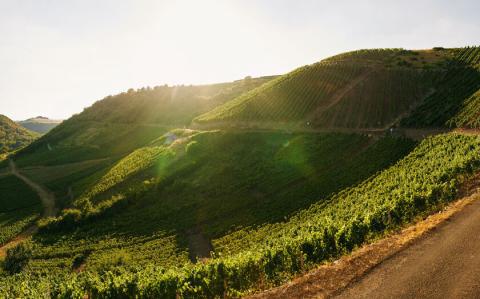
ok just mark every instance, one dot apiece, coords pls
pixel 119 124
pixel 455 102
pixel 13 136
pixel 361 89
pixel 191 184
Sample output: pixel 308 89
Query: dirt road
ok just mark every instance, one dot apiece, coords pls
pixel 443 264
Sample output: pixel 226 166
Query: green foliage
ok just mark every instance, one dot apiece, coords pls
pixel 16 195
pixel 453 101
pixel 324 94
pixel 18 257
pixel 419 183
pixel 228 181
pixel 13 136
pixel 19 207
pixel 469 115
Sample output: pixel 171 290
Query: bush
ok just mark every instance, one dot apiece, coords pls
pixel 18 257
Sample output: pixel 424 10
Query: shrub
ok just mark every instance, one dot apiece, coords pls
pixel 18 257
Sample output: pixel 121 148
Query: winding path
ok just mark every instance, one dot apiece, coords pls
pixel 48 202
pixel 46 196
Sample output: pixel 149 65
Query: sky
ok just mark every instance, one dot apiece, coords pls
pixel 59 56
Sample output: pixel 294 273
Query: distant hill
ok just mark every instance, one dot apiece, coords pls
pixel 361 89
pixel 13 136
pixel 39 124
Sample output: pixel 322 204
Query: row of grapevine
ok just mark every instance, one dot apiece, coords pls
pixel 423 180
pixel 460 82
pixel 290 97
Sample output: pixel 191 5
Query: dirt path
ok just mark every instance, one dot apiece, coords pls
pixel 47 197
pixel 48 202
pixel 198 244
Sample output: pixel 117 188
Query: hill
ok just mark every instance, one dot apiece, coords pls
pixel 245 258
pixel 119 124
pixel 39 124
pixel 360 89
pixel 13 136
pixel 219 190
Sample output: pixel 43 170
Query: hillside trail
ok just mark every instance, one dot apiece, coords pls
pixel 48 202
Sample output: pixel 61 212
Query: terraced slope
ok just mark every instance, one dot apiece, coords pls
pixel 13 136
pixel 455 101
pixel 361 89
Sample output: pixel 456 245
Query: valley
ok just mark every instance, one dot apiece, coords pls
pixel 228 189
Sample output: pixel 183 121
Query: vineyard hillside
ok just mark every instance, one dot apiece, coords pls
pixel 369 89
pixel 217 191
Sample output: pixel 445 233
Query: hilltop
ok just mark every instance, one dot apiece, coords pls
pixel 371 89
pixel 39 124
pixel 13 136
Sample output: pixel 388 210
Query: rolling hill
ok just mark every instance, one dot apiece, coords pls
pixel 39 124
pixel 220 190
pixel 361 89
pixel 13 136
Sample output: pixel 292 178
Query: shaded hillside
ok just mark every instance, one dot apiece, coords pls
pixel 13 136
pixel 39 124
pixel 455 100
pixel 119 124
pixel 361 89
pixel 248 258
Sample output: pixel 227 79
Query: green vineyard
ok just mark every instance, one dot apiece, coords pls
pixel 454 94
pixel 360 89
pixel 421 182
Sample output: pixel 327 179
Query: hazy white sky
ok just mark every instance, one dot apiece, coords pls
pixel 59 56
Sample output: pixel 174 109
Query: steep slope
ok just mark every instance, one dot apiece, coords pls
pixel 191 186
pixel 266 255
pixel 455 100
pixel 119 124
pixel 39 124
pixel 13 136
pixel 361 89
